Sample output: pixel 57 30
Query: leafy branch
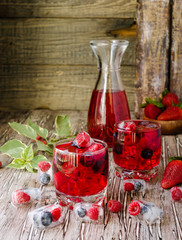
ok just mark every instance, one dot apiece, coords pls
pixel 25 157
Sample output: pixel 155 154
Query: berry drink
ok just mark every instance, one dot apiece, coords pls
pixel 106 108
pixel 80 173
pixel 137 149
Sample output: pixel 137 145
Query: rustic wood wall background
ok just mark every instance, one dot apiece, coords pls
pixel 45 57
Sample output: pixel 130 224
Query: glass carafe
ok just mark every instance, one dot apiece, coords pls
pixel 108 103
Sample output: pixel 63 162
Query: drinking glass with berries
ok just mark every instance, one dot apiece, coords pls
pixel 137 149
pixel 80 170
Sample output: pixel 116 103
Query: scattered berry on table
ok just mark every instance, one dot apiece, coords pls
pixel 114 206
pixel 128 186
pixel 134 208
pixel 0 164
pixel 81 212
pixel 93 213
pixel 176 193
pixel 137 186
pixel 45 178
pixel 44 166
pixel 22 197
pixel 46 218
pixel 146 153
pixel 56 214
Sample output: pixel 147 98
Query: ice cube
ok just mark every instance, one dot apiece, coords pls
pixel 176 194
pixel 146 212
pixel 130 185
pixel 25 196
pixel 46 217
pixel 45 174
pixel 88 212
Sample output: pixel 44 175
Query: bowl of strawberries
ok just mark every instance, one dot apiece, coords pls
pixel 167 111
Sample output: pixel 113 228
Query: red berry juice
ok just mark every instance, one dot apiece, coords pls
pixel 78 171
pixel 138 149
pixel 106 108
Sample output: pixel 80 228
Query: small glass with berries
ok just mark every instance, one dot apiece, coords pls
pixel 137 149
pixel 80 170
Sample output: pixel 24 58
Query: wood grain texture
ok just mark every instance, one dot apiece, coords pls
pixel 152 50
pixel 71 8
pixel 176 50
pixel 57 41
pixel 54 86
pixel 116 226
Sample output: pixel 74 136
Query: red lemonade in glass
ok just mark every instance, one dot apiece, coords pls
pixel 106 108
pixel 80 174
pixel 137 149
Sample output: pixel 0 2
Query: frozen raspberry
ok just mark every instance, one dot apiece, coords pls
pixel 93 213
pixel 130 126
pixel 82 140
pixel 176 194
pixel 44 166
pixel 128 187
pixel 56 214
pixel 22 197
pixel 114 206
pixel 95 147
pixel 134 208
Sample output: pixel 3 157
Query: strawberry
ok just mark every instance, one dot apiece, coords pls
pixel 173 174
pixel 169 99
pixel 22 197
pixel 44 166
pixel 93 213
pixel 114 206
pixel 171 113
pixel 128 187
pixel 56 214
pixel 151 111
pixel 134 208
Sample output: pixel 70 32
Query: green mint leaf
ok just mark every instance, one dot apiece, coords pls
pixel 29 167
pixel 17 163
pixel 13 148
pixel 28 153
pixel 42 132
pixel 165 92
pixel 42 147
pixel 34 162
pixel 175 158
pixel 23 129
pixel 63 126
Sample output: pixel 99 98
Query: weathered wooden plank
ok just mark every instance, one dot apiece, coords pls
pixel 56 8
pixel 176 50
pixel 54 86
pixel 57 41
pixel 152 50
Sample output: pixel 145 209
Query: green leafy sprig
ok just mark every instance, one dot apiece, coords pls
pixel 26 157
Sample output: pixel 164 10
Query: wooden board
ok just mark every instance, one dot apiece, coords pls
pixel 57 41
pixel 54 86
pixel 176 50
pixel 64 8
pixel 115 226
pixel 152 50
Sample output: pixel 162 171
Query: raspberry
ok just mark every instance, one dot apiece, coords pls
pixel 22 197
pixel 93 213
pixel 95 147
pixel 56 214
pixel 0 164
pixel 134 208
pixel 114 206
pixel 130 126
pixel 128 187
pixel 82 140
pixel 176 194
pixel 44 166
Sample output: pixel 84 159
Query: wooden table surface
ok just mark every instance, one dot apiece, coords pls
pixel 14 223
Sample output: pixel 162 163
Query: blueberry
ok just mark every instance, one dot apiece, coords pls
pixel 45 178
pixel 81 212
pixel 87 160
pixel 147 153
pixel 144 209
pixel 137 186
pixel 118 148
pixel 46 218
